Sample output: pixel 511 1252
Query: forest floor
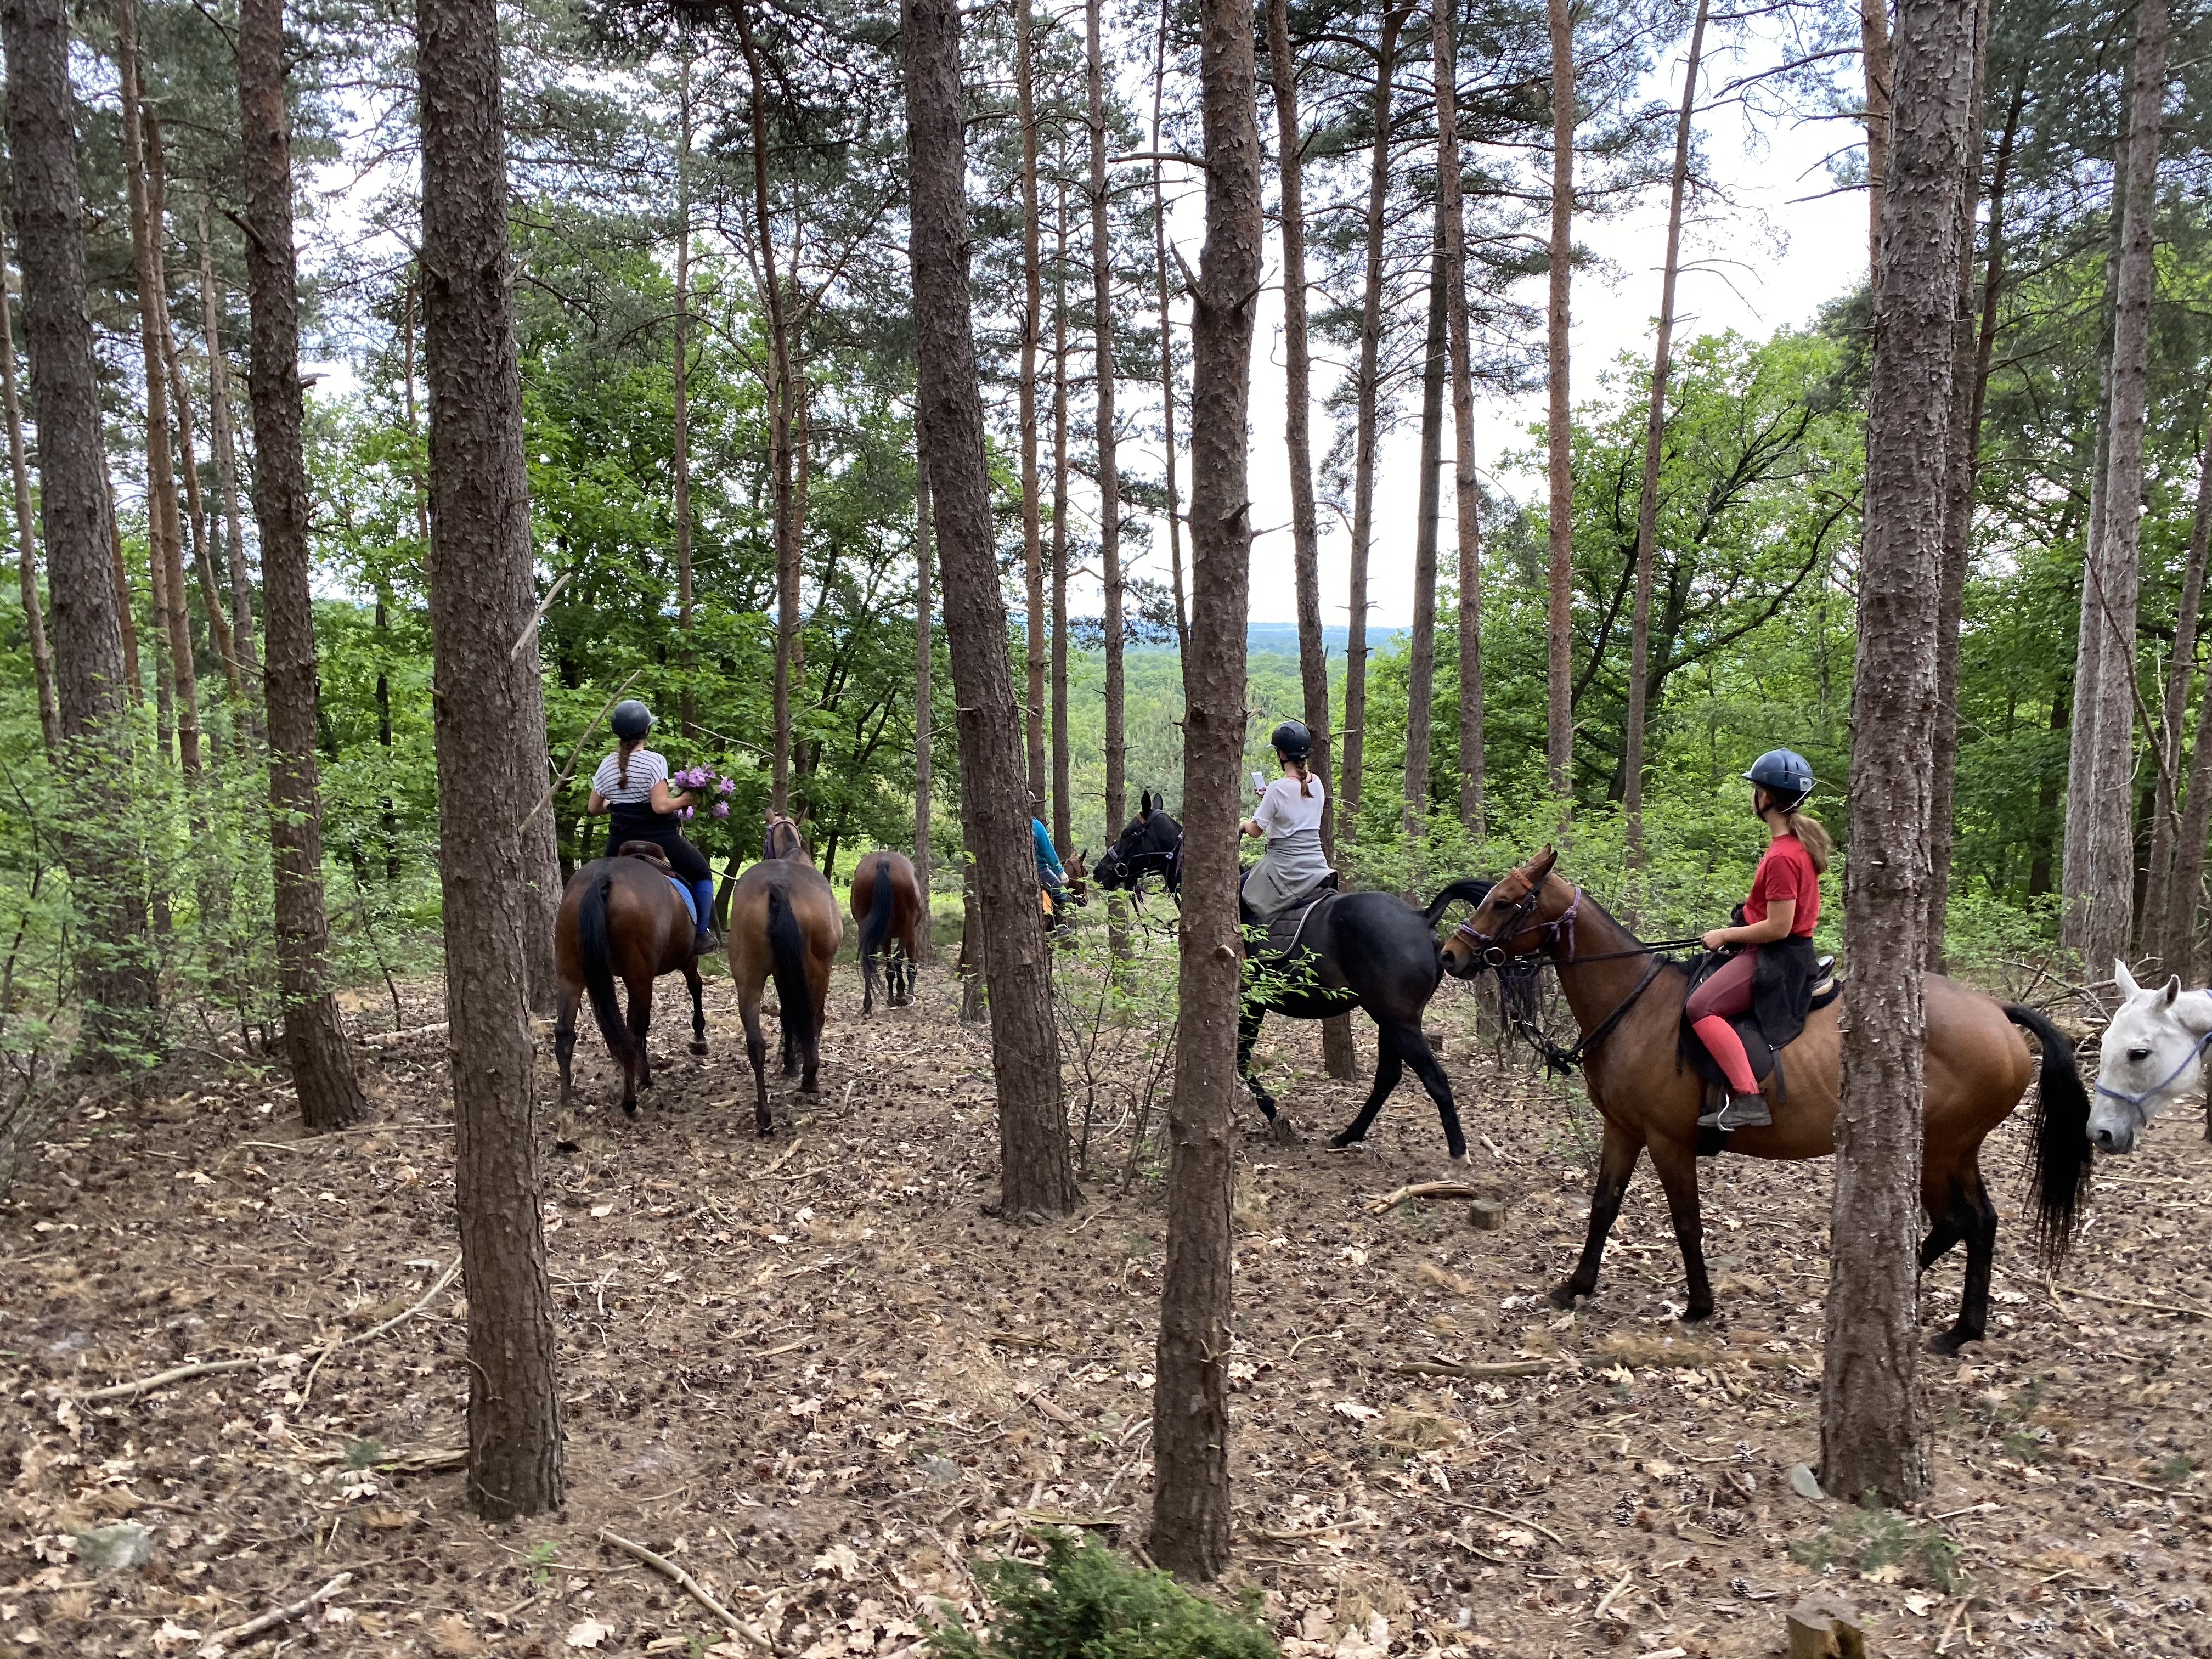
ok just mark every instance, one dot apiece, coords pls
pixel 815 1372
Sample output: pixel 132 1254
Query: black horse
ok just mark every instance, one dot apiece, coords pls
pixel 1370 951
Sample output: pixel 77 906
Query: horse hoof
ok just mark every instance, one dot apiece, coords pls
pixel 1693 1313
pixel 1566 1294
pixel 629 1108
pixel 1459 1159
pixel 1346 1143
pixel 1949 1342
pixel 698 1047
pixel 1281 1131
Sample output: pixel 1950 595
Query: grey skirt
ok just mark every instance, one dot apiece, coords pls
pixel 1292 866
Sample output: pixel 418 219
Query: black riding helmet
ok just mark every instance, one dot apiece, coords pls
pixel 1293 741
pixel 631 719
pixel 1786 774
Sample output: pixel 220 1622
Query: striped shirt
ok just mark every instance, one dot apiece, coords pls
pixel 645 769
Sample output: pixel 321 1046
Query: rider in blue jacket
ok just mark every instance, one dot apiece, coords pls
pixel 1052 875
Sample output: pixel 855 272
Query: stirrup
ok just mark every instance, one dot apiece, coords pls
pixel 1739 1112
pixel 706 942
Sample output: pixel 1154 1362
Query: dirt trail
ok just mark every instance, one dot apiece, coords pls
pixel 812 1372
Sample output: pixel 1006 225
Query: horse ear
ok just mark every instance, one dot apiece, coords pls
pixel 2173 990
pixel 1145 804
pixel 2124 979
pixel 1540 867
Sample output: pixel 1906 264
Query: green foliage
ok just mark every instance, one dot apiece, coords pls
pixel 1082 1601
pixel 1873 1540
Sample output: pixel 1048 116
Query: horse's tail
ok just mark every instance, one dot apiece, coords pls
pixel 2060 1164
pixel 787 949
pixel 1472 888
pixel 876 928
pixel 596 950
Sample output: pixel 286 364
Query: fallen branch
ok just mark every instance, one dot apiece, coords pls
pixel 2140 1485
pixel 1447 1368
pixel 1298 1533
pixel 667 1569
pixel 409 1033
pixel 2128 1302
pixel 162 1379
pixel 431 1459
pixel 1424 1190
pixel 1626 1579
pixel 783 1157
pixel 396 1320
pixel 1517 1519
pixel 219 1643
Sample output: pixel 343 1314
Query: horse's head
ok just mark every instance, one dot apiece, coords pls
pixel 1146 847
pixel 784 840
pixel 1520 913
pixel 2153 1055
pixel 1078 876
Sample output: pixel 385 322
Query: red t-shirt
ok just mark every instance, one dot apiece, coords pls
pixel 1786 872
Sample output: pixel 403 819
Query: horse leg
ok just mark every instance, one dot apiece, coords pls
pixel 1616 1163
pixel 749 1011
pixel 1413 1042
pixel 1389 1067
pixel 564 1035
pixel 1973 1217
pixel 1677 1165
pixel 867 985
pixel 813 1046
pixel 640 1022
pixel 698 986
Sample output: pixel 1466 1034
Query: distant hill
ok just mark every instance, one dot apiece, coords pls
pixel 1268 638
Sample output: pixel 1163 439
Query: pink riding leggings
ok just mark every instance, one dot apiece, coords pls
pixel 1710 1007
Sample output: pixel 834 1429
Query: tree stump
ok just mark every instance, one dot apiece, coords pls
pixel 1823 1625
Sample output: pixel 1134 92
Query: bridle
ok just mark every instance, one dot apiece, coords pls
pixel 2137 1103
pixel 1165 862
pixel 1495 949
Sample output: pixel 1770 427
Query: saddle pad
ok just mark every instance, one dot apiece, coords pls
pixel 690 906
pixel 1285 932
pixel 1756 1048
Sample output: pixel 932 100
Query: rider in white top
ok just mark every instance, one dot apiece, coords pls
pixel 1289 816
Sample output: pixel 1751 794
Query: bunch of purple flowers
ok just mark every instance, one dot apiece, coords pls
pixel 704 779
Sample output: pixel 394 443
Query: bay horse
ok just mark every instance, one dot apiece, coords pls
pixel 622 918
pixel 1628 1003
pixel 783 924
pixel 887 902
pixel 1370 950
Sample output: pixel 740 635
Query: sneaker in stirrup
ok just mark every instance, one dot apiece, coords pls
pixel 1743 1112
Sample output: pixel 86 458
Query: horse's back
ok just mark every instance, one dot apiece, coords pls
pixel 805 889
pixel 641 900
pixel 906 886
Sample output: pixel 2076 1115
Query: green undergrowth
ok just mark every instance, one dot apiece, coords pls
pixel 1884 1546
pixel 1084 1601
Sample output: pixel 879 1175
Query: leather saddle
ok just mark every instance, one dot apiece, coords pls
pixel 1763 1055
pixel 1302 917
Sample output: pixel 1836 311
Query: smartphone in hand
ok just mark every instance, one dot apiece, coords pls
pixel 1259 782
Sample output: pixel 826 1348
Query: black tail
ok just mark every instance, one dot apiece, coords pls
pixel 596 950
pixel 2060 1166
pixel 1472 888
pixel 787 946
pixel 876 930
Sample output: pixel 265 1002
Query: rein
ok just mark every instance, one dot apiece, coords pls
pixel 1559 1061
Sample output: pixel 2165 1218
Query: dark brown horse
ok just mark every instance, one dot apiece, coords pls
pixel 887 903
pixel 784 924
pixel 622 918
pixel 1629 1007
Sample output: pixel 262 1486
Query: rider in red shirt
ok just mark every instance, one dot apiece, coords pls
pixel 1779 915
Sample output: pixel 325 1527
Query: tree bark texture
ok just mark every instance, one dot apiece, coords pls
pixel 1874 59
pixel 225 470
pixel 925 666
pixel 1421 667
pixel 1467 490
pixel 1969 384
pixel 1190 1403
pixel 1037 1177
pixel 1367 389
pixel 2168 912
pixel 1558 443
pixel 90 691
pixel 1062 760
pixel 480 574
pixel 314 1037
pixel 1109 478
pixel 1870 1410
pixel 26 546
pixel 2105 894
pixel 1033 626
pixel 121 580
pixel 1167 349
pixel 1338 1058
pixel 2177 951
pixel 1654 433
pixel 164 536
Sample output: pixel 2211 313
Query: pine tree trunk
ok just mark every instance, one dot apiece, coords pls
pixel 924 700
pixel 1559 703
pixel 1061 758
pixel 781 401
pixel 2175 903
pixel 1033 628
pixel 1420 684
pixel 92 697
pixel 1874 54
pixel 1167 350
pixel 1969 386
pixel 681 391
pixel 2107 890
pixel 164 536
pixel 1367 391
pixel 1190 1532
pixel 120 582
pixel 1655 431
pixel 314 1037
pixel 1035 1176
pixel 26 546
pixel 1870 1420
pixel 1338 1058
pixel 1110 477
pixel 226 470
pixel 1466 489
pixel 480 574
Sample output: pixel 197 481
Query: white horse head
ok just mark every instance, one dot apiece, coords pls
pixel 2153 1055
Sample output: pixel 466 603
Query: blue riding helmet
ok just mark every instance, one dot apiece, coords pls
pixel 1786 774
pixel 631 719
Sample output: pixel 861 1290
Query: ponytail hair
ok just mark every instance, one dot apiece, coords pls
pixel 1305 777
pixel 1812 834
pixel 630 747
